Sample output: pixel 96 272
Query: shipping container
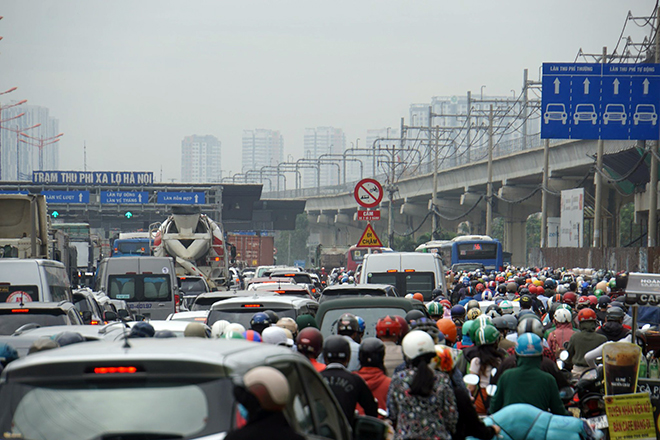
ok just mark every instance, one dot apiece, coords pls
pixel 252 250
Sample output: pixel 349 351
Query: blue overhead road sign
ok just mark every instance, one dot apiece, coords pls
pixel 66 196
pixel 124 197
pixel 600 101
pixel 181 198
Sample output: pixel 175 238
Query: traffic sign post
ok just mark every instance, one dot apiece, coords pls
pixel 368 193
pixel 124 197
pixel 369 238
pixel 600 101
pixel 181 198
pixel 73 197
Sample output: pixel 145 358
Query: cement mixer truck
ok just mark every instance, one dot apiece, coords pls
pixel 195 242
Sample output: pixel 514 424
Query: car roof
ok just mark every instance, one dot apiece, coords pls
pixel 261 280
pixel 40 262
pixel 37 305
pixel 359 287
pixel 88 331
pixel 266 300
pixel 234 356
pixel 183 316
pixel 368 301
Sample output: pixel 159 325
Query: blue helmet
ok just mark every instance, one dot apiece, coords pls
pixel 361 324
pixel 7 354
pixel 142 329
pixel 68 338
pixel 259 321
pixel 528 345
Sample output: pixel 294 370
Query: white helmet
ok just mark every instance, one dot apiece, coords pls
pixel 417 343
pixel 234 327
pixel 274 335
pixel 408 296
pixel 563 315
pixel 218 328
pixel 269 386
pixel 288 323
pixel 507 307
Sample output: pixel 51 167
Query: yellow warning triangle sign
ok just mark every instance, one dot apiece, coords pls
pixel 369 238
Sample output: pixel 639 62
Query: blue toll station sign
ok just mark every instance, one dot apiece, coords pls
pixel 181 198
pixel 124 197
pixel 66 196
pixel 600 101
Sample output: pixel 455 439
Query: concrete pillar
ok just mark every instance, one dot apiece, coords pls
pixel 515 240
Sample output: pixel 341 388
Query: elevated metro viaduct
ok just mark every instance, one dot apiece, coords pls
pixel 517 182
pixel 238 206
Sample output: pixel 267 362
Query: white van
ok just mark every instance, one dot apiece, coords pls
pixel 409 272
pixel 27 280
pixel 148 284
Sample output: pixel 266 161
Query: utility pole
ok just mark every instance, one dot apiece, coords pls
pixel 524 111
pixel 597 241
pixel 653 179
pixel 489 187
pixel 544 193
pixel 391 189
pixel 434 145
pixel 469 127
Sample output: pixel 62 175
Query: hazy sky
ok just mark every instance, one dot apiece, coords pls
pixel 133 77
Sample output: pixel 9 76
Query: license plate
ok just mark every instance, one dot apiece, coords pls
pixel 599 422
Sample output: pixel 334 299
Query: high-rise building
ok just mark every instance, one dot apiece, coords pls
pixel 262 147
pixel 200 159
pixel 319 141
pixel 15 154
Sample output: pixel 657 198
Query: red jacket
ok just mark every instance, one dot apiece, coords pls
pixel 559 336
pixel 317 365
pixel 378 383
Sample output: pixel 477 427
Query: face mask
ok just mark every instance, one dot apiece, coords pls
pixel 243 411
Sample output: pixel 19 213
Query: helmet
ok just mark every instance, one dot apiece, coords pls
pixel 561 289
pixel 288 323
pixel 500 323
pixel 507 307
pixel 260 321
pixel 586 315
pixel 142 329
pixel 487 295
pixel 511 321
pixel 42 344
pixel 525 302
pixel 484 320
pixel 458 311
pixel 473 314
pixel 549 283
pixel 234 327
pixel 445 358
pixel 218 327
pixel 68 338
pixel 195 330
pixel 593 300
pixel 598 293
pixel 448 329
pixel 427 325
pixel 615 313
pixel 231 334
pixel 163 334
pixel 361 325
pixel 486 334
pixel 414 314
pixel 408 296
pixel 404 324
pixel 583 302
pixel 418 296
pixel 347 324
pixel 570 298
pixel 275 336
pixel 7 354
pixel 417 343
pixel 479 287
pixel 305 321
pixel 529 344
pixel 445 303
pixel 563 315
pixel 530 324
pixel 612 283
pixel 252 335
pixel 272 315
pixel 435 309
pixel 372 352
pixel 388 326
pixel 621 280
pixel 269 386
pixel 603 301
pixel 512 287
pixel 336 348
pixel 472 304
pixel 310 340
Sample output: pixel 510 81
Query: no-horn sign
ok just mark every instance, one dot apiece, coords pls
pixel 368 193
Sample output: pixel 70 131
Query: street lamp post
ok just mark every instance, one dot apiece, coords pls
pixel 18 131
pixel 41 142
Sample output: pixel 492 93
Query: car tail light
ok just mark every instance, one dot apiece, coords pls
pixel 177 301
pixel 20 310
pixel 252 305
pixel 115 370
pixel 409 270
pixel 94 323
pixel 200 319
pixel 392 270
pixel 217 258
pixel 279 291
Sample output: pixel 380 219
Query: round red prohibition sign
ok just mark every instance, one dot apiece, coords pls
pixel 368 193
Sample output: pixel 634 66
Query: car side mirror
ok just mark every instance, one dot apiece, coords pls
pixel 109 316
pixel 122 313
pixel 140 318
pixel 86 317
pixel 370 428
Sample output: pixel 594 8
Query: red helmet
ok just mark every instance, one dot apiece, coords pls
pixel 447 328
pixel 418 296
pixel 310 340
pixel 404 324
pixel 593 300
pixel 479 287
pixel 583 301
pixel 445 303
pixel 570 298
pixel 586 315
pixel 388 326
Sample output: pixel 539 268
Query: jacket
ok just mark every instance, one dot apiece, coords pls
pixel 273 423
pixel 547 365
pixel 421 417
pixel 528 384
pixel 468 422
pixel 559 336
pixel 349 389
pixel 393 356
pixel 613 331
pixel 378 383
pixel 580 344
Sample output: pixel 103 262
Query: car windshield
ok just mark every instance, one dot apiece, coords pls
pixel 244 315
pixel 371 315
pixel 356 291
pixel 190 286
pixel 11 321
pixel 133 288
pixel 133 408
pixel 14 293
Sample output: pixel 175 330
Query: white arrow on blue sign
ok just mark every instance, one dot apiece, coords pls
pixel 124 197
pixel 66 196
pixel 181 198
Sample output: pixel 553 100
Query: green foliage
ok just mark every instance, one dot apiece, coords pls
pixel 297 239
pixel 404 244
pixel 533 231
pixel 628 230
pixel 498 229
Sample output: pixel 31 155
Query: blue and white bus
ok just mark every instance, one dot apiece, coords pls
pixel 478 249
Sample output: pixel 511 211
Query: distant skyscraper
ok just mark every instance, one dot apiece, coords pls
pixel 28 155
pixel 319 141
pixel 200 159
pixel 262 147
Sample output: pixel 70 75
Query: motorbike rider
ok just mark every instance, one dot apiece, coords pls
pixel 389 330
pixel 563 331
pixel 583 341
pixel 372 357
pixel 349 328
pixel 310 344
pixel 613 328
